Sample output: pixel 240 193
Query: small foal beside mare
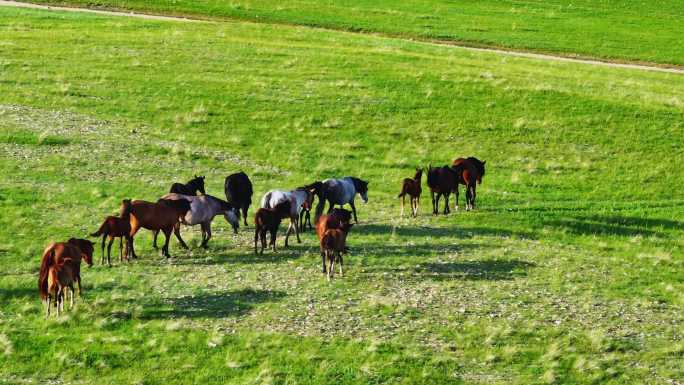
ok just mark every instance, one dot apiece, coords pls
pixel 338 219
pixel 413 189
pixel 333 244
pixel 297 198
pixel 268 220
pixel 116 227
pixel 60 268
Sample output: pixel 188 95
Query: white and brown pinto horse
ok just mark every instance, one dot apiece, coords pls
pixel 296 197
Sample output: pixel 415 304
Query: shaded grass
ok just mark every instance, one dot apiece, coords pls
pixel 568 272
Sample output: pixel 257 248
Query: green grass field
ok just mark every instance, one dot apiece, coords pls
pixel 624 30
pixel 569 272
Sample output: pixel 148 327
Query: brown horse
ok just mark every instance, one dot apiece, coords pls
pixel 163 215
pixel 60 267
pixel 442 182
pixel 470 172
pixel 116 227
pixel 333 244
pixel 413 189
pixel 268 220
pixel 337 219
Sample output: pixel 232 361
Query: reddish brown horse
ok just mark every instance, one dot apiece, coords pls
pixel 163 215
pixel 60 267
pixel 337 219
pixel 116 227
pixel 333 245
pixel 413 189
pixel 470 172
pixel 442 182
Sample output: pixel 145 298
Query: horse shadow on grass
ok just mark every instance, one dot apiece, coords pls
pixel 7 294
pixel 486 270
pixel 617 226
pixel 455 231
pixel 217 305
pixel 221 256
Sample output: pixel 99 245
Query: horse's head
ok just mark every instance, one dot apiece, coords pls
pixel 198 183
pixel 126 207
pixel 419 174
pixel 361 187
pixel 87 248
pixel 232 215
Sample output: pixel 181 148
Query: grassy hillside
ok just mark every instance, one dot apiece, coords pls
pixel 569 271
pixel 624 30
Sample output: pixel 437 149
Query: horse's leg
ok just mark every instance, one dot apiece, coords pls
pixel 447 210
pixel 468 198
pixel 176 232
pixel 245 208
pixel 134 229
pixel 207 233
pixel 403 200
pixel 351 203
pixel 71 299
pixel 297 229
pixel 256 238
pixel 289 231
pixel 47 308
pixel 104 237
pixel 109 251
pixel 274 232
pixel 456 202
pixel 154 239
pixel 339 255
pixel 472 196
pixel 439 195
pixel 165 248
pixel 120 249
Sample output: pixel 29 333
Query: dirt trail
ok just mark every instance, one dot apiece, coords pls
pixel 531 55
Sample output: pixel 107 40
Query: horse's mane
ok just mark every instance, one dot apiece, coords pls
pixel 225 206
pixel 180 204
pixel 359 184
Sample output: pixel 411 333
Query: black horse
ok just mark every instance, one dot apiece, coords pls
pixel 190 188
pixel 239 192
pixel 442 181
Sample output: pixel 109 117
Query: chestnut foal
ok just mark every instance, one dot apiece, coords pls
pixel 413 189
pixel 116 227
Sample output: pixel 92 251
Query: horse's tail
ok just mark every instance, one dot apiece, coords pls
pixel 45 264
pixel 266 201
pixel 403 190
pixel 102 230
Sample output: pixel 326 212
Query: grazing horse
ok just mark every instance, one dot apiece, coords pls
pixel 60 267
pixel 340 192
pixel 442 182
pixel 470 171
pixel 337 219
pixel 238 189
pixel 296 198
pixel 116 227
pixel 202 211
pixel 191 188
pixel 332 247
pixel 269 220
pixel 161 215
pixel 413 189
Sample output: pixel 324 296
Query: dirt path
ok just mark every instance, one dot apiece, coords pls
pixel 530 55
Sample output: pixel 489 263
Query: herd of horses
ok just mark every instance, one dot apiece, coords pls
pixel 189 204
